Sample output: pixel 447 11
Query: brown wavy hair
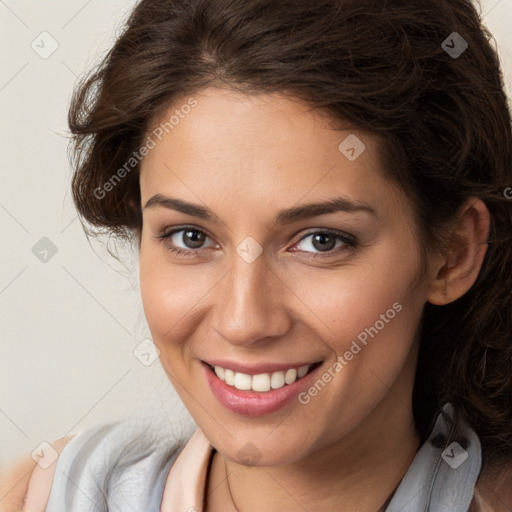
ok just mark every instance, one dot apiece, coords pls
pixel 443 123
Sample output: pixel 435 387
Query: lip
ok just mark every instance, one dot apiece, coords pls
pixel 252 403
pixel 255 369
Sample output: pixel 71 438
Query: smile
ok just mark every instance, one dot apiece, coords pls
pixel 252 391
pixel 261 382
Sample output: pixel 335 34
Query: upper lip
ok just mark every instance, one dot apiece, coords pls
pixel 256 368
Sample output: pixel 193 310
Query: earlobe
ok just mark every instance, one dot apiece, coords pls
pixel 459 268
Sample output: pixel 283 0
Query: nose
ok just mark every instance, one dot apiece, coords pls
pixel 251 306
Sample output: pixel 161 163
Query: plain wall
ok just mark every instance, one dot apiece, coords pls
pixel 70 321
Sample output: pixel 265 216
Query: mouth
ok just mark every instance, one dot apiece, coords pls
pixel 262 382
pixel 254 392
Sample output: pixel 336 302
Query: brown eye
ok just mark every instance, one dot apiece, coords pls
pixel 193 238
pixel 323 242
pixel 326 242
pixel 185 240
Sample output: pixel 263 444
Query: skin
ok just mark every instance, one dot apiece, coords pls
pixel 246 158
pixel 26 486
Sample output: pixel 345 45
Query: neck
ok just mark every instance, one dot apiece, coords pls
pixel 356 472
pixel 360 471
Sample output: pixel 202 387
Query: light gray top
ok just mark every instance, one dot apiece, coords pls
pixel 121 467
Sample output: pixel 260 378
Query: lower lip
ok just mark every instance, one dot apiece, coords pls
pixel 252 403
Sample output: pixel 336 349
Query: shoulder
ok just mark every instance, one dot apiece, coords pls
pixel 493 490
pixel 111 464
pixel 27 474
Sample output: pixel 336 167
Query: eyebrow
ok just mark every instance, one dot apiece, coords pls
pixel 287 216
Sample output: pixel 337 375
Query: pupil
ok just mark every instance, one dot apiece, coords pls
pixel 322 238
pixel 193 239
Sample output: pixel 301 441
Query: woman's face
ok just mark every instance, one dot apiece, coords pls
pixel 264 283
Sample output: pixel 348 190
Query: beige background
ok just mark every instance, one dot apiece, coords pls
pixel 70 324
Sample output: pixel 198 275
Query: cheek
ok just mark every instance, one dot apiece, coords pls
pixel 169 295
pixel 369 304
pixel 367 318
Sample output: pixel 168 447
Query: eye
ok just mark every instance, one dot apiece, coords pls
pixel 185 240
pixel 326 241
pixel 188 240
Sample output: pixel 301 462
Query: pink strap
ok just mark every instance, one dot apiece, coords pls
pixel 185 484
pixel 40 482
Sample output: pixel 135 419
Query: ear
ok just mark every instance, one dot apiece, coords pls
pixel 458 268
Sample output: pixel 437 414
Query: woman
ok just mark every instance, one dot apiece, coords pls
pixel 318 193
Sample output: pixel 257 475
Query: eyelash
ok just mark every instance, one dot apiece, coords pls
pixel 349 241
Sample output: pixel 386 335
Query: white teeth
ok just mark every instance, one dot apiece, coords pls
pixel 242 381
pixel 262 382
pixel 229 377
pixel 277 380
pixel 302 371
pixel 219 372
pixel 290 376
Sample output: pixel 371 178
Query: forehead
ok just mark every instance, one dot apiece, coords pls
pixel 266 148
